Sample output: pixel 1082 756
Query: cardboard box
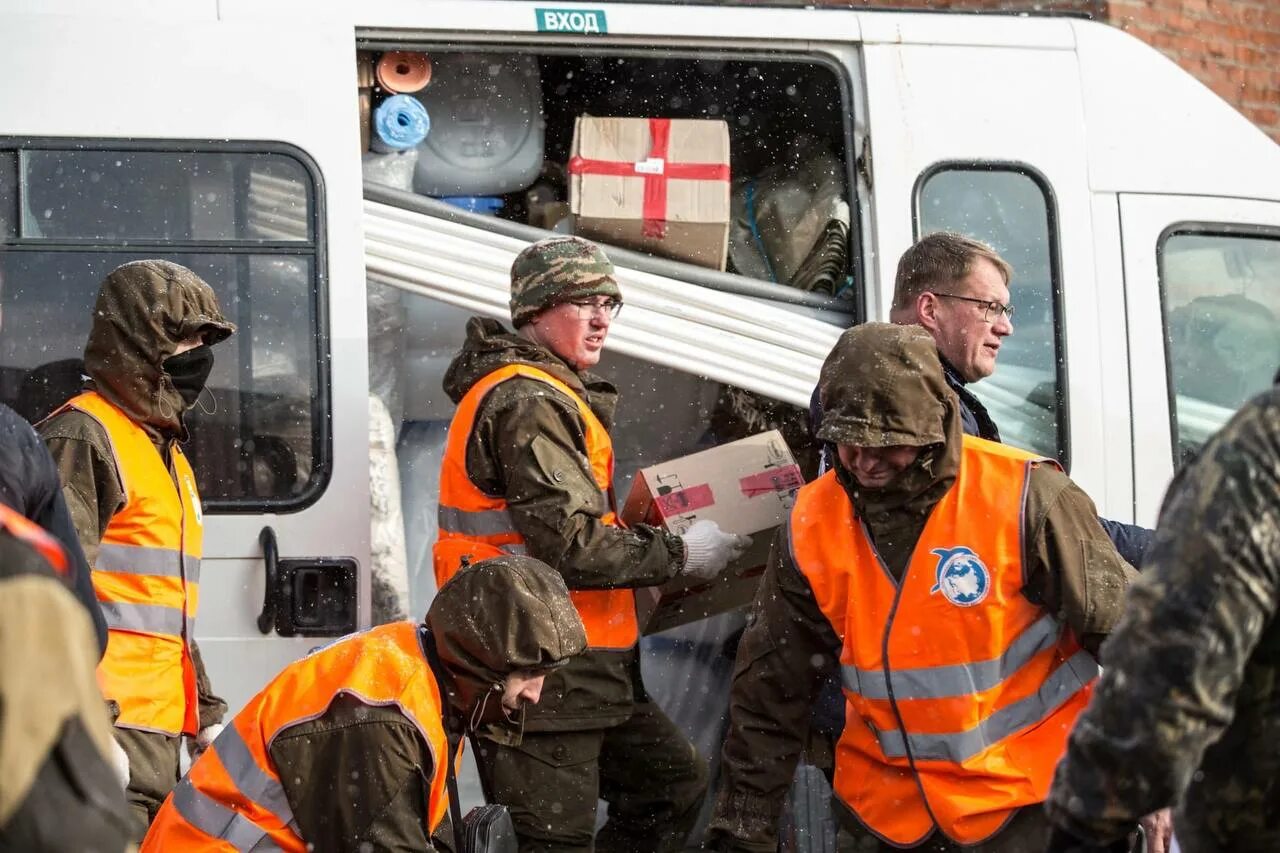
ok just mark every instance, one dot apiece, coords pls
pixel 655 185
pixel 746 486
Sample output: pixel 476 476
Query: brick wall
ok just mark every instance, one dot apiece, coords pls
pixel 1232 46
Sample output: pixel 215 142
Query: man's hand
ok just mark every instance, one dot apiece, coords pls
pixel 1158 827
pixel 708 549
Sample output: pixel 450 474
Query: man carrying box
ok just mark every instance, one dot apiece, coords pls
pixel 962 586
pixel 528 468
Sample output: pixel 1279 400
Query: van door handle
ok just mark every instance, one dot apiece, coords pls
pixel 270 557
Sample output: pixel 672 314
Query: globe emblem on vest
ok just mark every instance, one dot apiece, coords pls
pixel 962 578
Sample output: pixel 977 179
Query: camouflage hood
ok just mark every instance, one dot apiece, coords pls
pixel 882 385
pixel 490 346
pixel 144 310
pixel 499 616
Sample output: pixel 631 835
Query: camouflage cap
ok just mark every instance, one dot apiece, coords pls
pixel 557 270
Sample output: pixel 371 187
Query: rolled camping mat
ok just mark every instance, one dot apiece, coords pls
pixel 400 122
pixel 404 71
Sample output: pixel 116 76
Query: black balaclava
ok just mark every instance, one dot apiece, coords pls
pixel 189 371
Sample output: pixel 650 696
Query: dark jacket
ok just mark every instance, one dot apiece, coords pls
pixel 790 649
pixel 1130 540
pixel 382 753
pixel 29 483
pixel 1187 712
pixel 58 791
pixel 528 446
pixel 144 310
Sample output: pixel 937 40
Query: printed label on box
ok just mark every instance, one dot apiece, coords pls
pixel 767 482
pixel 685 500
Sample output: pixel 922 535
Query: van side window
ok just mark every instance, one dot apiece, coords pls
pixel 246 222
pixel 1220 293
pixel 1011 209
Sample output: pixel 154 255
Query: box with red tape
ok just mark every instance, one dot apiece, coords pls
pixel 746 486
pixel 655 185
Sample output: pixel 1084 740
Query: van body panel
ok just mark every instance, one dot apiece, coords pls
pixel 1163 131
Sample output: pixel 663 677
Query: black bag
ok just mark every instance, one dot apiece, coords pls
pixel 488 829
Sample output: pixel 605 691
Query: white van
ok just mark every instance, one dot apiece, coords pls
pixel 1142 215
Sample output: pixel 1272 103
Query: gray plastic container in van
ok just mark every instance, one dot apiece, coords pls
pixel 486 125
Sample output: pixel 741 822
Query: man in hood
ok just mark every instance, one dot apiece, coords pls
pixel 133 499
pixel 528 468
pixel 347 749
pixel 962 587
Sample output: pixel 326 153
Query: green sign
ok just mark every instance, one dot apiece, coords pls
pixel 571 21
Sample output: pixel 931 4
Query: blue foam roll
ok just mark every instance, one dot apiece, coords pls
pixel 401 122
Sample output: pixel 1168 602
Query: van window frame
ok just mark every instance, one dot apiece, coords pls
pixel 1061 391
pixel 1191 228
pixel 381 40
pixel 315 248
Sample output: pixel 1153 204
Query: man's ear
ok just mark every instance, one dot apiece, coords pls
pixel 927 305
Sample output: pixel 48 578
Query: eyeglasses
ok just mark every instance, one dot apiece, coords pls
pixel 588 308
pixel 991 310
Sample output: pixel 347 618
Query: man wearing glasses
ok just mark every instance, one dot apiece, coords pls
pixel 528 469
pixel 958 289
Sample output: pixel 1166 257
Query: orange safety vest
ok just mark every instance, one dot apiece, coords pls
pixel 147 578
pixel 960 693
pixel 477 526
pixel 232 798
pixel 35 536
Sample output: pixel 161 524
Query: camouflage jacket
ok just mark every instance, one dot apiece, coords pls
pixel 528 445
pixel 1188 709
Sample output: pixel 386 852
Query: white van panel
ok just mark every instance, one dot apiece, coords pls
pixel 1154 128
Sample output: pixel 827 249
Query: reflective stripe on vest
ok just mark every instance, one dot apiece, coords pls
pixel 960 693
pixel 146 577
pixel 232 799
pixel 476 526
pixel 36 537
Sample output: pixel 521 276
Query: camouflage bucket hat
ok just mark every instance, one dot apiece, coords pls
pixel 557 270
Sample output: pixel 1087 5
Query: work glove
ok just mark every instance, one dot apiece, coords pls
pixel 197 745
pixel 708 549
pixel 119 761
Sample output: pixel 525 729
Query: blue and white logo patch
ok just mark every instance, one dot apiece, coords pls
pixel 962 577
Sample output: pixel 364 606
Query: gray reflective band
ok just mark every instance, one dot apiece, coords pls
pixel 140 560
pixel 191 565
pixel 252 781
pixel 965 679
pixel 151 618
pixel 521 550
pixel 216 820
pixel 485 522
pixel 1065 681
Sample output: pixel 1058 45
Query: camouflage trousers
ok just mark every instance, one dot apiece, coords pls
pixel 644 768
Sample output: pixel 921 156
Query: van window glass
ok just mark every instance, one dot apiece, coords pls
pixel 259 436
pixel 1010 210
pixel 152 195
pixel 1221 302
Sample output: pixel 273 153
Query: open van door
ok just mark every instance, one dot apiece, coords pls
pixel 1202 291
pixel 232 162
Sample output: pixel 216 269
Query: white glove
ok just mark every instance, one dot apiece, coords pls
pixel 708 549
pixel 206 736
pixel 119 760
